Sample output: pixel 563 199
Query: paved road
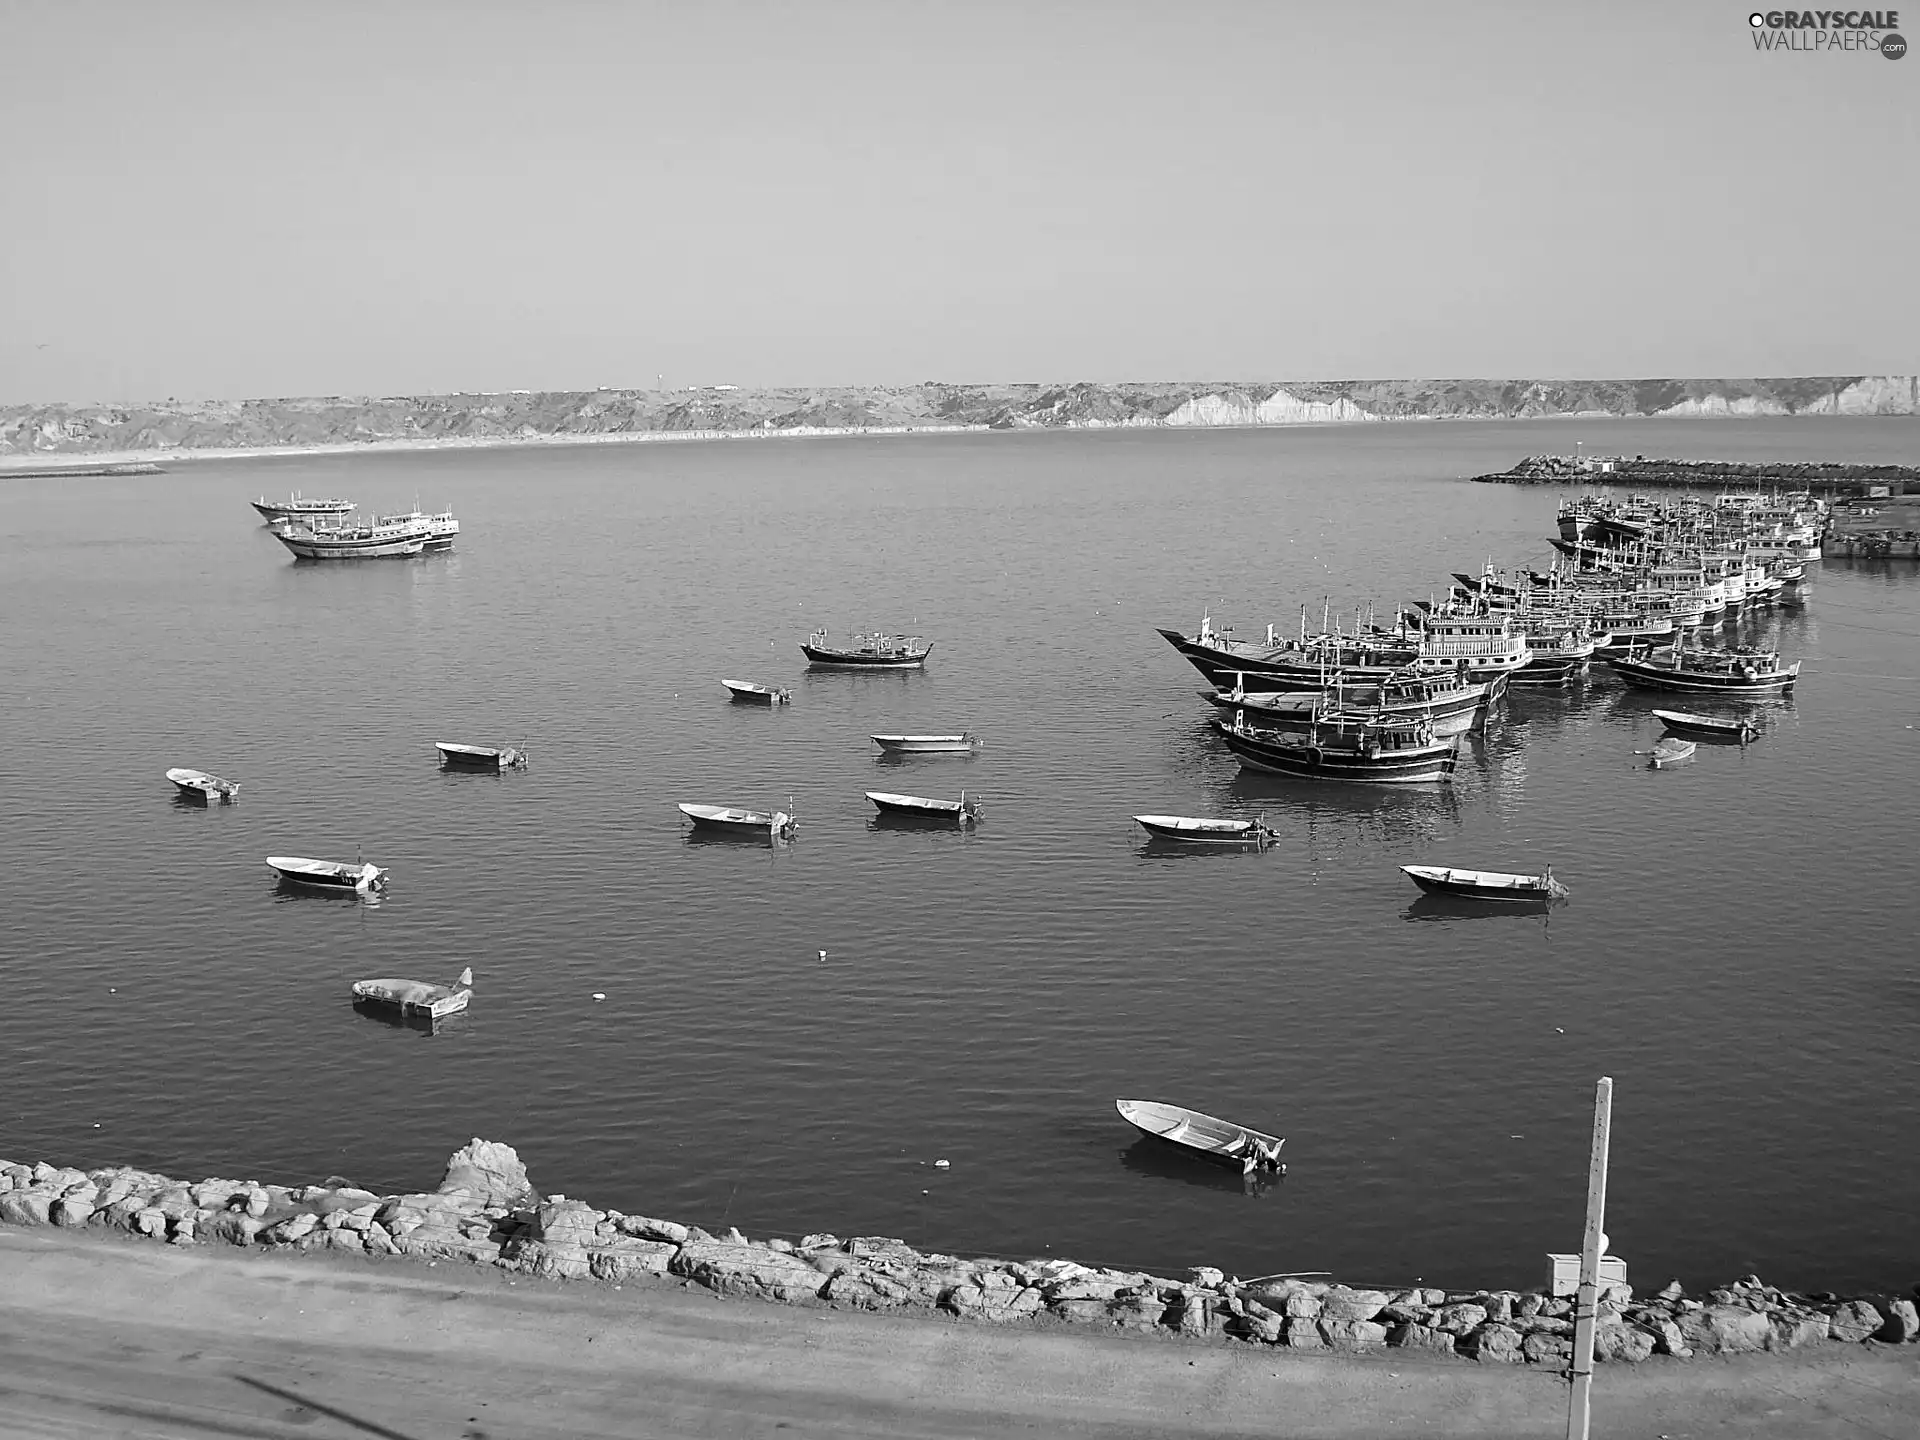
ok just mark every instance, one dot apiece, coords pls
pixel 104 1337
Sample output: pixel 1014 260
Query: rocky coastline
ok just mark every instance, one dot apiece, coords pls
pixel 1826 475
pixel 486 1212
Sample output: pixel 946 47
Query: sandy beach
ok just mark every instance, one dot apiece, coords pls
pixel 108 1337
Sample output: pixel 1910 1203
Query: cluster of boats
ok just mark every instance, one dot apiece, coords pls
pixel 331 529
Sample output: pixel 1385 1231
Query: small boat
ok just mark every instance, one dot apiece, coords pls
pixel 1741 672
pixel 328 874
pixel 1221 1141
pixel 959 744
pixel 207 787
pixel 416 997
pixel 1681 723
pixel 747 693
pixel 1200 831
pixel 481 757
pixel 1484 884
pixel 1669 751
pixel 299 507
pixel 1383 750
pixel 963 810
pixel 732 820
pixel 867 652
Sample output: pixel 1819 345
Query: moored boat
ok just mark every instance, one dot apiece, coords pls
pixel 1741 673
pixel 1368 751
pixel 958 744
pixel 730 819
pixel 1713 727
pixel 866 652
pixel 373 540
pixel 1669 750
pixel 201 784
pixel 417 998
pixel 481 757
pixel 1200 830
pixel 745 692
pixel 1484 884
pixel 962 811
pixel 328 874
pixel 1220 1141
pixel 1452 704
pixel 299 507
pixel 438 530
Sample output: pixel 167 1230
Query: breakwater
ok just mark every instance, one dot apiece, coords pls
pixel 485 1211
pixel 1824 475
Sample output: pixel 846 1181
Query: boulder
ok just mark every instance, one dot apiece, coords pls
pixel 1856 1320
pixel 1542 1325
pixel 1198 1316
pixel 348 1240
pixel 490 1173
pixel 1668 1339
pixel 289 1230
pixel 1726 1330
pixel 1495 1345
pixel 1669 1291
pixel 882 1248
pixel 1303 1305
pixel 624 1259
pixel 1084 1289
pixel 31 1206
pixel 379 1241
pixel 1623 1343
pixel 1341 1303
pixel 1354 1335
pixel 995 1303
pixel 213 1194
pixel 233 1227
pixel 1304 1333
pixel 862 1288
pixel 1791 1329
pixel 151 1222
pixel 1421 1337
pixel 1903 1323
pixel 1207 1277
pixel 1460 1319
pixel 1139 1311
pixel 1077 1311
pixel 1539 1348
pixel 180 1228
pixel 750 1270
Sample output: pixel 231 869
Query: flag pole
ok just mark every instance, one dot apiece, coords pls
pixel 1586 1309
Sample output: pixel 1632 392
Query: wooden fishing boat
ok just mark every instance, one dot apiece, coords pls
pixel 728 819
pixel 1220 1141
pixel 1372 751
pixel 1484 884
pixel 438 530
pixel 959 744
pixel 963 810
pixel 1198 830
pixel 417 998
pixel 866 652
pixel 1741 673
pixel 1453 705
pixel 328 874
pixel 200 783
pixel 380 539
pixel 1669 750
pixel 1712 727
pixel 298 507
pixel 745 692
pixel 481 757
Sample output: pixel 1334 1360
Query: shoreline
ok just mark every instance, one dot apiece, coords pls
pixel 486 1213
pixel 54 463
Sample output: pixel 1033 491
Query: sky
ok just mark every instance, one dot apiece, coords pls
pixel 215 198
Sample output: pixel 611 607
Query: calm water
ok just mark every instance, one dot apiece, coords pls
pixel 1738 952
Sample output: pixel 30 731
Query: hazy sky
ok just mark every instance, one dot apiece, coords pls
pixel 240 199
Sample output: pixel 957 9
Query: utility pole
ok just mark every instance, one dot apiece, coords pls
pixel 1587 1307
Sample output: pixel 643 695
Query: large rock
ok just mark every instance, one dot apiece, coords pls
pixel 1304 1305
pixel 1340 1303
pixel 1539 1348
pixel 624 1259
pixel 864 1288
pixel 1305 1334
pixel 491 1173
pixel 1411 1336
pixel 32 1206
pixel 996 1303
pixel 1461 1319
pixel 642 1227
pixel 1495 1345
pixel 1198 1316
pixel 1356 1335
pixel 750 1270
pixel 1855 1320
pixel 1143 1311
pixel 1727 1329
pixel 1791 1329
pixel 1626 1343
pixel 1903 1323
pixel 1668 1338
pixel 1087 1288
pixel 1079 1312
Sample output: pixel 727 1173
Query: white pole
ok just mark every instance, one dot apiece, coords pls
pixel 1586 1310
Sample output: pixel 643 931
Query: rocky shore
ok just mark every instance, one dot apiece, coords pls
pixel 486 1212
pixel 1640 470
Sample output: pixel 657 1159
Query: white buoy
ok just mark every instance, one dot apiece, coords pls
pixel 599 995
pixel 940 1165
pixel 823 957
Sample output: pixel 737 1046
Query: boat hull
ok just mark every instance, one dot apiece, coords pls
pixel 919 808
pixel 743 693
pixel 726 820
pixel 1480 885
pixel 202 786
pixel 300 509
pixel 1189 831
pixel 1707 727
pixel 327 874
pixel 1415 765
pixel 1204 1137
pixel 478 757
pixel 826 658
pixel 307 546
pixel 926 744
pixel 1688 682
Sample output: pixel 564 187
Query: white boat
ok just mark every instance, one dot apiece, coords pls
pixel 1741 728
pixel 963 810
pixel 1207 1136
pixel 1670 751
pixel 1484 884
pixel 732 819
pixel 438 530
pixel 481 757
pixel 328 874
pixel 313 540
pixel 1202 831
pixel 200 783
pixel 959 744
pixel 748 693
pixel 417 997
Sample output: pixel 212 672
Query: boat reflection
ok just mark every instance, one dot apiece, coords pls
pixel 923 824
pixel 397 1019
pixel 1461 907
pixel 285 889
pixel 1157 847
pixel 750 839
pixel 1161 1161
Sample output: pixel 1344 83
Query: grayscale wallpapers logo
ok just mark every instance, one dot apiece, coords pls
pixel 1833 32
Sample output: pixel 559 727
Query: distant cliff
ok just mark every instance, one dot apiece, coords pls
pixel 81 429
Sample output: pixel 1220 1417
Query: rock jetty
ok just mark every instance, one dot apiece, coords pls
pixel 1640 470
pixel 486 1212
